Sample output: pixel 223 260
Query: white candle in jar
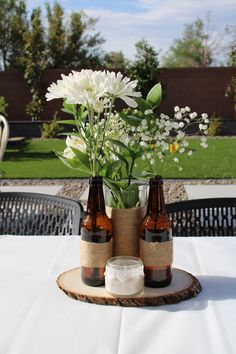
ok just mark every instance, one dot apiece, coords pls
pixel 124 276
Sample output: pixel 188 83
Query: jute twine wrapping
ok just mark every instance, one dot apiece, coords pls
pixel 95 255
pixel 126 230
pixel 156 254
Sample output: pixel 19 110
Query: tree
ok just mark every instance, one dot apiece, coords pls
pixel 34 63
pixel 13 25
pixel 56 36
pixel 145 67
pixel 82 49
pixel 196 48
pixel 68 42
pixel 115 60
pixel 231 87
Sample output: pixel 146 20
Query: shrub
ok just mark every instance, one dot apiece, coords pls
pixel 51 129
pixel 3 106
pixel 214 125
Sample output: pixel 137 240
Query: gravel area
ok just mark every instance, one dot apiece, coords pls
pixel 72 188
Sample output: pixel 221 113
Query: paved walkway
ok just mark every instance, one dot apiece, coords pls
pixel 210 191
pixel 52 190
pixel 193 191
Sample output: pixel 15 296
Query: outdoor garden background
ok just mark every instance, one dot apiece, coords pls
pixel 36 50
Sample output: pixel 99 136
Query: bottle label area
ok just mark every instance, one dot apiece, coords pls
pixel 156 254
pixel 94 254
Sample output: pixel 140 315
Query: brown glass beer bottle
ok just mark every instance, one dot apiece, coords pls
pixel 156 245
pixel 96 236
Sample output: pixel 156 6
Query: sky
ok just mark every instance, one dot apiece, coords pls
pixel 122 23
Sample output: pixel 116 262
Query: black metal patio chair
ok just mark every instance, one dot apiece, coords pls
pixel 203 217
pixel 38 214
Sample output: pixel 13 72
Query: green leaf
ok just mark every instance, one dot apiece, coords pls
pixel 113 169
pixel 142 104
pixel 131 120
pixel 120 145
pixel 154 96
pixel 67 111
pixel 123 159
pixel 67 121
pixel 143 175
pixel 83 171
pixel 68 108
pixel 84 159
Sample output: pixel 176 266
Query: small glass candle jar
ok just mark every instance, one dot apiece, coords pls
pixel 124 276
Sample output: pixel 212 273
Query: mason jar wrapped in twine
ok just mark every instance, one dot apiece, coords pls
pixel 126 223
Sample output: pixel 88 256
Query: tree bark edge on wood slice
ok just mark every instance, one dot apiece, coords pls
pixel 71 284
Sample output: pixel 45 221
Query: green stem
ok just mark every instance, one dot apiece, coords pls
pixel 130 171
pixel 90 140
pixel 107 117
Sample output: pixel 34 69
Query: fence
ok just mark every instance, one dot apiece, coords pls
pixel 203 89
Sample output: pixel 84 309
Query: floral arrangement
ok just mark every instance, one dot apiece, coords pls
pixel 90 96
pixel 113 144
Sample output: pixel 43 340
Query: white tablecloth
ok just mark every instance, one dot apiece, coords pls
pixel 38 318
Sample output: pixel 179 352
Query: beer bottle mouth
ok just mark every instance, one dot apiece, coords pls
pixel 95 180
pixel 156 180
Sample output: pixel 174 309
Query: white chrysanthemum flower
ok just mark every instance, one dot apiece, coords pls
pixel 84 87
pixel 187 109
pixel 76 142
pixel 92 88
pixel 183 110
pixel 176 108
pixel 190 153
pixel 122 87
pixel 204 115
pixel 182 150
pixel 152 161
pixel 176 159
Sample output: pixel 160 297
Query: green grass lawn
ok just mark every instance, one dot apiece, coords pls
pixel 37 159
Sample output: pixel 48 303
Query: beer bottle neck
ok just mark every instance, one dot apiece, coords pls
pixel 156 200
pixel 96 201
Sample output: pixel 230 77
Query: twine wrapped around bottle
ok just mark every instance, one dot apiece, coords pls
pixel 156 254
pixel 126 230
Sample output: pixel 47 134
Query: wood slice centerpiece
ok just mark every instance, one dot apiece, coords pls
pixel 183 287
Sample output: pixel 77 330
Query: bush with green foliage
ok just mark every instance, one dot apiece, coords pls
pixel 214 125
pixel 231 87
pixel 145 67
pixel 52 129
pixel 3 106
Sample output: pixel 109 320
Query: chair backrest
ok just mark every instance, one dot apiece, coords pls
pixel 203 217
pixel 4 135
pixel 39 214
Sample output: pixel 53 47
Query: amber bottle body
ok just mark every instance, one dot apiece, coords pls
pixel 155 231
pixel 96 230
